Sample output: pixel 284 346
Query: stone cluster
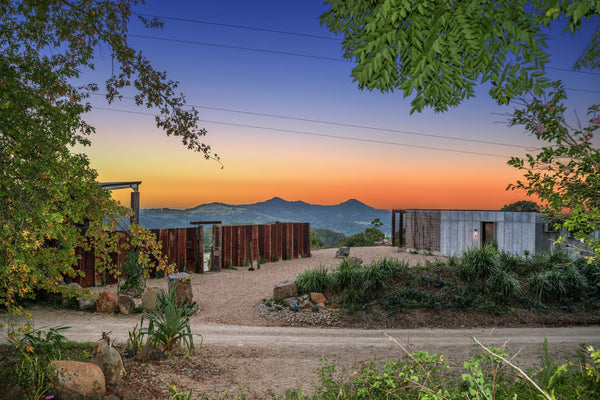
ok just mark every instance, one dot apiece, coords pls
pixel 297 310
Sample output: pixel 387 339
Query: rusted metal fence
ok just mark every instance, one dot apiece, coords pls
pixel 185 248
pixel 272 242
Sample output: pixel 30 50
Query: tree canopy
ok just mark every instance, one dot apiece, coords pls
pixel 47 192
pixel 522 206
pixel 439 50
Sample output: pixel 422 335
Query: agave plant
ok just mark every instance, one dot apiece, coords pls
pixel 169 324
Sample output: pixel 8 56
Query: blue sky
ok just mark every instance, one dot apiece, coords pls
pixel 262 158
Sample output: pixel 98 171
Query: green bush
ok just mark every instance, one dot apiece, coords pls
pixel 478 262
pixel 134 282
pixel 313 280
pixel 369 237
pixel 169 324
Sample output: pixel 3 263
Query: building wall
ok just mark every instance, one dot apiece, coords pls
pixel 515 232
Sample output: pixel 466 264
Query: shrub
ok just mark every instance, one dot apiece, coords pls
pixel 346 275
pixel 169 324
pixel 478 262
pixel 134 282
pixel 313 280
pixel 503 282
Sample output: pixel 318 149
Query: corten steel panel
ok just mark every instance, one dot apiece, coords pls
pixel 296 232
pixel 181 239
pixel 254 243
pixel 261 243
pixel 266 236
pixel 227 244
pixel 289 251
pixel 278 241
pixel 306 247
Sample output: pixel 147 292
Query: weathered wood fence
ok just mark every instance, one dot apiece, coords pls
pixel 185 247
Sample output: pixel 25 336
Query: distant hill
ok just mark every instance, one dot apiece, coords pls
pixel 349 217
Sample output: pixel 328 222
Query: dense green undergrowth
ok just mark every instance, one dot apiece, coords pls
pixel 482 279
pixel 490 375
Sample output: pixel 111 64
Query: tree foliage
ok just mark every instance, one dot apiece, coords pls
pixel 439 50
pixel 369 237
pixel 522 206
pixel 46 190
pixel 565 173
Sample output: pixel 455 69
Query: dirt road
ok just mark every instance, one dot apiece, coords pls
pixel 258 359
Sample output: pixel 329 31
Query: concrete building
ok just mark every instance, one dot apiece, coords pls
pixel 450 232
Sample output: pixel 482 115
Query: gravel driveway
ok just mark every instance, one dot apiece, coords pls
pixel 256 359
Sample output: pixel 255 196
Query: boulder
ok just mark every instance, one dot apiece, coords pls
pixel 182 285
pixel 318 298
pixel 77 379
pixel 149 297
pixel 285 289
pixel 107 302
pixel 125 304
pixel 110 362
pixel 306 305
pixel 69 301
pixel 342 252
pixel 87 303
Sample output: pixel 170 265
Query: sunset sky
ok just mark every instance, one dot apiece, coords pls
pixel 256 106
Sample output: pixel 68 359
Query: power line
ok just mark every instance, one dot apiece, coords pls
pixel 239 48
pixel 374 128
pixel 286 53
pixel 251 28
pixel 574 70
pixel 322 135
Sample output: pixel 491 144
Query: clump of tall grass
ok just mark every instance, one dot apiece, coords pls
pixel 313 280
pixel 478 262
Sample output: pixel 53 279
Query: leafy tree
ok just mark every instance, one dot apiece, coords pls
pixel 522 206
pixel 369 237
pixel 441 49
pixel 565 173
pixel 326 237
pixel 46 191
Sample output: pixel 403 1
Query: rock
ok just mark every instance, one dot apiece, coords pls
pixel 322 306
pixel 285 289
pixel 291 301
pixel 306 305
pixel 107 302
pixel 318 298
pixel 149 297
pixel 110 362
pixel 125 304
pixel 77 379
pixel 13 393
pixel 342 252
pixel 182 285
pixel 69 301
pixel 87 303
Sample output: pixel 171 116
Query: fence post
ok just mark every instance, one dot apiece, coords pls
pixel 216 259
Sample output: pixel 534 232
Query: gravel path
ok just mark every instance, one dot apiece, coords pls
pixel 229 296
